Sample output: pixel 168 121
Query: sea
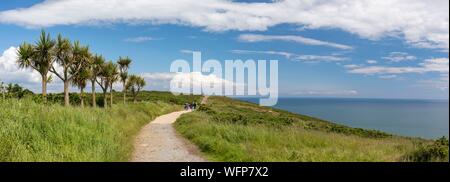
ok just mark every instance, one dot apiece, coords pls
pixel 415 118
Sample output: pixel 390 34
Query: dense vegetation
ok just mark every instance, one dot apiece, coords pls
pixel 230 130
pixel 435 152
pixel 13 91
pixel 30 131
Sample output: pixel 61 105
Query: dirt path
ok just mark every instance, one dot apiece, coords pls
pixel 204 100
pixel 159 142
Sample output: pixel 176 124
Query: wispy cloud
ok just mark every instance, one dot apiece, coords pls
pixel 440 65
pixel 388 77
pixel 287 55
pixel 291 38
pixel 186 51
pixel 372 61
pixel 442 83
pixel 296 57
pixel 399 57
pixel 140 39
pixel 435 65
pixel 319 58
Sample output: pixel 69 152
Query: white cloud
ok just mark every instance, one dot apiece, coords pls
pixel 161 80
pixel 399 57
pixel 10 71
pixel 140 39
pixel 287 55
pixel 388 77
pixel 290 38
pixel 186 51
pixel 351 66
pixel 372 61
pixel 439 65
pixel 421 23
pixel 158 76
pixel 295 57
pixel 318 58
pixel 26 77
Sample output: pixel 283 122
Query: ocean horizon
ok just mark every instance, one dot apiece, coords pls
pixel 425 118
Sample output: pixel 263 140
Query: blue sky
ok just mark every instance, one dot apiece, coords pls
pixel 374 57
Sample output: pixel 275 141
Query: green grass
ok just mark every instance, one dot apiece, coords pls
pixel 32 132
pixel 230 130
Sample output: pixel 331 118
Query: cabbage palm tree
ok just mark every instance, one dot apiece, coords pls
pixel 124 64
pixel 71 58
pixel 135 85
pixel 114 77
pixel 106 77
pixel 95 69
pixel 80 80
pixel 38 57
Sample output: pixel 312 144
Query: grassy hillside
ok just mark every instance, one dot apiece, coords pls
pixel 230 130
pixel 30 131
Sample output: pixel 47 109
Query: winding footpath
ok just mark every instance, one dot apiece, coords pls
pixel 158 141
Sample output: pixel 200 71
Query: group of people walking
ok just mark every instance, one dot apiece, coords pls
pixel 192 106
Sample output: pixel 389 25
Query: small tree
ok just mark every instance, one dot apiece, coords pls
pixel 106 78
pixel 114 77
pixel 38 57
pixel 135 85
pixel 71 58
pixel 80 80
pixel 124 64
pixel 95 69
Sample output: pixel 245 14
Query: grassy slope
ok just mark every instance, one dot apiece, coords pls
pixel 229 130
pixel 32 132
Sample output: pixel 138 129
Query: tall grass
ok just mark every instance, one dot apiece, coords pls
pixel 228 130
pixel 33 132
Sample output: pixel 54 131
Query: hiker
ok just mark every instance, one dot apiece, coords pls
pixel 194 105
pixel 186 106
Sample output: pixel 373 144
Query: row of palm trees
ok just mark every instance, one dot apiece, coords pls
pixel 75 65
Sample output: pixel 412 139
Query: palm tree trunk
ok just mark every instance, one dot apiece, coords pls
pixel 44 88
pixel 66 93
pixel 82 97
pixel 105 101
pixel 94 100
pixel 111 94
pixel 124 93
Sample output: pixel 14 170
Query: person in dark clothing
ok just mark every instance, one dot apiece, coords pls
pixel 194 105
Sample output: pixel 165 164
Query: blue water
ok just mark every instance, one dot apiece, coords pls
pixel 415 118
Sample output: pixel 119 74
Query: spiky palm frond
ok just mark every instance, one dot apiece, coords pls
pixel 26 55
pixel 124 64
pixel 80 79
pixel 43 53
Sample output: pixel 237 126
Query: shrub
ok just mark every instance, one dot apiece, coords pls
pixel 435 152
